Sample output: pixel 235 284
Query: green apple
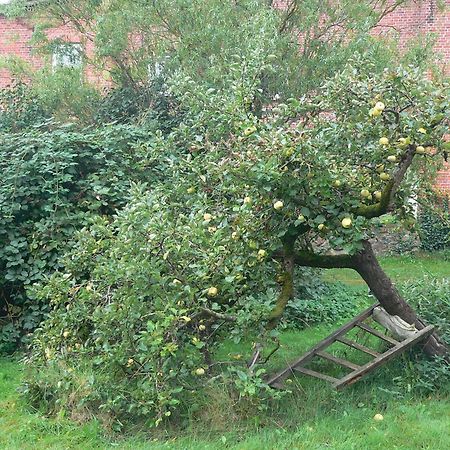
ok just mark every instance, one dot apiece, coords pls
pixel 250 130
pixel 346 222
pixel 213 291
pixel 278 205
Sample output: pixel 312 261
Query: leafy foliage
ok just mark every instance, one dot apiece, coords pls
pixel 318 303
pixel 431 297
pixel 434 226
pixel 20 108
pixel 53 183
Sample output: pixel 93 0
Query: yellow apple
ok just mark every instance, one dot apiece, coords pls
pixel 207 217
pixel 365 193
pixel 384 141
pixel 66 334
pixel 392 158
pixel 420 150
pixel 321 227
pixel 374 112
pixel 379 106
pixel 377 195
pixel 301 218
pixel 422 130
pixel 380 168
pixel 278 205
pixel 234 235
pixel 247 200
pixel 378 417
pixel 346 222
pixel 200 371
pixel 337 183
pixel 202 327
pixel 250 130
pixel 212 291
pixel 262 253
pixel 176 281
pixel 384 176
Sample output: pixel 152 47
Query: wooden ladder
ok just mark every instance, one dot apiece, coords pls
pixel 357 371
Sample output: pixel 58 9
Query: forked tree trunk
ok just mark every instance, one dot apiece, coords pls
pixel 366 264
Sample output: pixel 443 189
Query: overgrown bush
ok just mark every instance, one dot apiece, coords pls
pixel 317 302
pixel 20 108
pixel 53 183
pixel 431 298
pixel 150 104
pixel 434 226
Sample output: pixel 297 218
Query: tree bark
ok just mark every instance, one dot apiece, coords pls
pixel 366 264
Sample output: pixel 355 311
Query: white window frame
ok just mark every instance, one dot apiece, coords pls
pixel 67 55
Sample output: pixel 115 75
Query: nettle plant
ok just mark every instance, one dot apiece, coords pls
pixel 146 302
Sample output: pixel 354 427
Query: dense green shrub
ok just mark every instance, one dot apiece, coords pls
pixel 318 302
pixel 53 183
pixel 431 298
pixel 150 104
pixel 434 226
pixel 20 108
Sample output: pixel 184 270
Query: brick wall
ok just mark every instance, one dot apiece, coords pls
pixel 420 17
pixel 15 36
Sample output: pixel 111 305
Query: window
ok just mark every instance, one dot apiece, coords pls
pixel 67 55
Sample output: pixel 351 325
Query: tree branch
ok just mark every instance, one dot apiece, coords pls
pixel 311 259
pixel 386 203
pixel 218 315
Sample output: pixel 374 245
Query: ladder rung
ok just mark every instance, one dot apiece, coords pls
pixel 315 374
pixel 377 333
pixel 354 344
pixel 340 361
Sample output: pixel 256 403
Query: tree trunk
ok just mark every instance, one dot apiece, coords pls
pixel 366 264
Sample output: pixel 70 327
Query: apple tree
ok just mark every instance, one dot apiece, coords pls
pixel 145 302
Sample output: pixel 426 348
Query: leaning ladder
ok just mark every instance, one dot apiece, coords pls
pixel 357 371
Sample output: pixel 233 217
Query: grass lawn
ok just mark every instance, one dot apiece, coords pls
pixel 313 416
pixel 399 268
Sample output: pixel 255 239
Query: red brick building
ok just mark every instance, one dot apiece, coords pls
pixel 405 23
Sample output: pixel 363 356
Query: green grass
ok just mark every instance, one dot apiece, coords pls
pixel 399 268
pixel 313 416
